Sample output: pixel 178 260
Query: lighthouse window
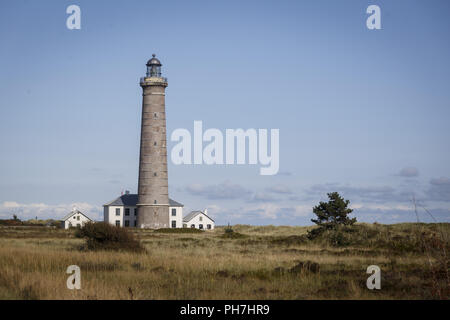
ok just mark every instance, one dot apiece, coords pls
pixel 154 174
pixel 155 201
pixel 154 143
pixel 156 116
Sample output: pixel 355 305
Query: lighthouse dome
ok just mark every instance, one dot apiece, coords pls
pixel 153 61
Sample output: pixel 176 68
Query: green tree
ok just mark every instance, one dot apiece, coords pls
pixel 333 213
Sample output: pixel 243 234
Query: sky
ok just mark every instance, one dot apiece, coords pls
pixel 361 112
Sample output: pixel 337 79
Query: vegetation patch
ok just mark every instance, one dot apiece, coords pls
pixel 100 266
pixel 289 240
pixel 305 266
pixel 233 235
pixel 267 264
pixel 104 236
pixel 178 230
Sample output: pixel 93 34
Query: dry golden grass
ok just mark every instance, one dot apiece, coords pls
pixel 33 264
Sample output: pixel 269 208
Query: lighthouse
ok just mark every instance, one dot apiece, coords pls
pixel 153 193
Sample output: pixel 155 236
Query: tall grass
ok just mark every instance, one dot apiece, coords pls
pixel 268 263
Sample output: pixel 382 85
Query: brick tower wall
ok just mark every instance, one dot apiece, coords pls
pixel 153 178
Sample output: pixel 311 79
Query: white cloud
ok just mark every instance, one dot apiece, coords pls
pixel 46 211
pixel 263 197
pixel 409 172
pixel 275 211
pixel 224 190
pixel 376 206
pixel 279 188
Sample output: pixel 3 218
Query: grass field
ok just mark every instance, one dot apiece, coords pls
pixel 253 263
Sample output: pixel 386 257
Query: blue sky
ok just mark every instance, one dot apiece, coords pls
pixel 363 112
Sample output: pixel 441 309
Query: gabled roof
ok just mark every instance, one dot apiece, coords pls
pixel 193 214
pixel 124 200
pixel 75 212
pixel 132 199
pixel 173 203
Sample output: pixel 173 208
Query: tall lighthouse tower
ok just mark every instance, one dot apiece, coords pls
pixel 153 193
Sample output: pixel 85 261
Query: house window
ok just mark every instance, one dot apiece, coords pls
pixel 200 226
pixel 117 223
pixel 127 211
pixel 192 225
pixel 174 212
pixel 174 224
pixel 135 211
pixel 78 218
pixel 208 226
pixel 127 223
pixel 200 218
pixel 117 211
pixel 135 223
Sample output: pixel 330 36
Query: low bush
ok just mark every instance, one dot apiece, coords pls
pixel 342 236
pixel 11 222
pixel 229 229
pixel 104 236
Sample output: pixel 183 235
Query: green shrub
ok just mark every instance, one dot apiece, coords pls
pixel 333 213
pixel 229 233
pixel 342 236
pixel 104 236
pixel 229 229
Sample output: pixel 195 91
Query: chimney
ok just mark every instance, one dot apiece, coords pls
pixel 206 211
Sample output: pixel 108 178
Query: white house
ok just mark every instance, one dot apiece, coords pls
pixel 199 220
pixel 74 219
pixel 123 211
